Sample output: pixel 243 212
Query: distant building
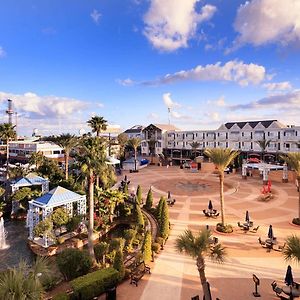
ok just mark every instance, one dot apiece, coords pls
pixel 135 132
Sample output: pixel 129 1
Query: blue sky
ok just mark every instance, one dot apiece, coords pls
pixel 210 62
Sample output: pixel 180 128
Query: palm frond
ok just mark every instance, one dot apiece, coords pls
pixel 217 253
pixel 291 251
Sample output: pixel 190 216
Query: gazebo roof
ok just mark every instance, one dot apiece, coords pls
pixel 57 197
pixel 29 180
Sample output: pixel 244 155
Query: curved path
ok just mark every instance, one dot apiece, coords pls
pixel 174 276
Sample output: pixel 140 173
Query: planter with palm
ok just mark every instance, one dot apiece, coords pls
pixel 222 158
pixel 134 143
pixel 198 247
pixel 293 160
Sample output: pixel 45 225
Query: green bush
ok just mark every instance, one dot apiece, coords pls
pixel 139 195
pixel 73 223
pixel 227 228
pixel 156 247
pixel 139 217
pixel 119 264
pixel 146 248
pixel 149 200
pixel 73 263
pixel 296 221
pixel 117 244
pixel 100 251
pixel 129 235
pixel 163 223
pixel 93 284
pixel 61 296
pixel 159 206
pixel 160 241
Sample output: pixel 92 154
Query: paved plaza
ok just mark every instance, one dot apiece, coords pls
pixel 175 276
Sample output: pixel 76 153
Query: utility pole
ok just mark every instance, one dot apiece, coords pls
pixel 169 114
pixel 9 111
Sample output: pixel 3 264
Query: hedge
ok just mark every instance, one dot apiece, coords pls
pixel 94 284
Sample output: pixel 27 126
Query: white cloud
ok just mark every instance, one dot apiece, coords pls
pixel 169 102
pixel 126 82
pixel 2 52
pixel 213 116
pixel 219 102
pixel 153 116
pixel 170 27
pixel 95 15
pixel 278 86
pixel 235 71
pixel 260 22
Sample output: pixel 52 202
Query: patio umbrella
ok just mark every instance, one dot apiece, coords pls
pixel 247 218
pixel 125 178
pixel 210 205
pixel 270 232
pixel 289 276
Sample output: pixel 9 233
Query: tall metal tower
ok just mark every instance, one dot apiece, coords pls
pixel 9 111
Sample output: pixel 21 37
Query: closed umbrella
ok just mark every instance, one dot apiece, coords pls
pixel 169 195
pixel 125 178
pixel 270 232
pixel 210 205
pixel 247 218
pixel 289 276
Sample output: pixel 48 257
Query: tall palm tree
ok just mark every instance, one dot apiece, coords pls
pixel 291 250
pixel 134 143
pixel 97 124
pixel 122 140
pixel 7 133
pixel 92 156
pixel 221 158
pixel 67 142
pixel 198 246
pixel 293 160
pixel 263 144
pixel 195 146
pixel 36 158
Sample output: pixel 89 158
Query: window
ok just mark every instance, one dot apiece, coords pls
pixel 56 152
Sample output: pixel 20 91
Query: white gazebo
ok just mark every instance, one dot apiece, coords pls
pixel 44 205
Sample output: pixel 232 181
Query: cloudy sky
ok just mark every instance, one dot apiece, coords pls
pixel 210 62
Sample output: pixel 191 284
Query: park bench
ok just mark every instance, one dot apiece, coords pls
pixel 138 272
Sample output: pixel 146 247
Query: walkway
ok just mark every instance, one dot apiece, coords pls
pixel 175 276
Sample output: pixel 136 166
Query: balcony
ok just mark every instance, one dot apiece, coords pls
pixel 234 137
pixel 210 137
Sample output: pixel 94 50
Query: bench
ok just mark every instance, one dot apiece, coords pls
pixel 139 272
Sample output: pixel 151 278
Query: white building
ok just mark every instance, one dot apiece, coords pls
pixel 135 132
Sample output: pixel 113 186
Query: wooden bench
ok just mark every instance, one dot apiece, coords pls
pixel 139 272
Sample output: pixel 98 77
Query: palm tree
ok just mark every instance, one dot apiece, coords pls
pixel 291 250
pixel 263 144
pixel 134 143
pixel 293 160
pixel 7 133
pixel 195 146
pixel 198 247
pixel 122 141
pixel 92 156
pixel 67 142
pixel 221 158
pixel 97 124
pixel 36 158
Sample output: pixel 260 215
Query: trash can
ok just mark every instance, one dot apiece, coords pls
pixel 111 294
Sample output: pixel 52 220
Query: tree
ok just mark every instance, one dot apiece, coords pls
pixel 129 235
pixel 36 158
pixel 149 200
pixel 146 248
pixel 221 158
pixel 97 124
pixel 7 133
pixel 198 246
pixel 100 250
pixel 195 146
pixel 293 160
pixel 60 217
pixel 159 208
pixel 67 142
pixel 24 281
pixel 263 144
pixel 291 250
pixel 119 264
pixel 50 169
pixel 122 141
pixel 134 143
pixel 139 195
pixel 139 216
pixel 164 227
pixel 92 155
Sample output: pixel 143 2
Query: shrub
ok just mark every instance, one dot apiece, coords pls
pixel 225 229
pixel 100 251
pixel 129 235
pixel 73 263
pixel 119 264
pixel 149 200
pixel 139 217
pixel 73 223
pixel 59 217
pixel 160 241
pixel 296 221
pixel 61 240
pixel 164 227
pixel 61 296
pixel 156 247
pixel 93 284
pixel 139 195
pixel 159 208
pixel 117 244
pixel 146 248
